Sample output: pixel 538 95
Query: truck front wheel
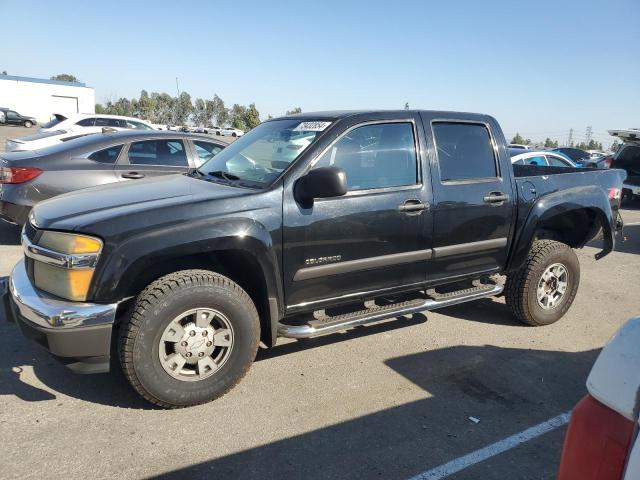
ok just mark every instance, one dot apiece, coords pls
pixel 542 291
pixel 191 336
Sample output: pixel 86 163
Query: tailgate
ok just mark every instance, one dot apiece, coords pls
pixel 630 135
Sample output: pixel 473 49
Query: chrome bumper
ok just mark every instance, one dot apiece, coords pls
pixel 76 333
pixel 48 311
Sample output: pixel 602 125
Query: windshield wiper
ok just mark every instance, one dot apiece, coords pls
pixel 230 177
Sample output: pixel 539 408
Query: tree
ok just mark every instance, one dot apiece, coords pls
pixel 294 111
pixel 406 106
pixel 518 139
pixel 548 143
pixel 219 113
pixel 182 109
pixel 614 146
pixel 146 106
pixel 251 117
pixel 200 114
pixel 237 116
pixel 65 77
pixel 99 108
pixel 237 123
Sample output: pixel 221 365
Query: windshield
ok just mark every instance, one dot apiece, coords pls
pixel 260 156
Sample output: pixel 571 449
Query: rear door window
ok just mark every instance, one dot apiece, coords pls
pixel 158 152
pixel 107 155
pixel 465 151
pixel 556 162
pixel 87 122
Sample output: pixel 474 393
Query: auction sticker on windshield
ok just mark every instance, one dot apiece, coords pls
pixel 312 126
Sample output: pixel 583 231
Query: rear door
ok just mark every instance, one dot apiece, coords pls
pixel 152 158
pixel 473 205
pixel 64 175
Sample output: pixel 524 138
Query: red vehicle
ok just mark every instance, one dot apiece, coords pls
pixel 602 441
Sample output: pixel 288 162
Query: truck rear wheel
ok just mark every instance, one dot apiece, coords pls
pixel 191 337
pixel 542 291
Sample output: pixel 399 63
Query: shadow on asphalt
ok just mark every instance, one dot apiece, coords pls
pixel 509 390
pixel 9 233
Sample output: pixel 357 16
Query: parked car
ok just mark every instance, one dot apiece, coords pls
pixel 27 178
pixel 74 127
pixel 93 123
pixel 11 117
pixel 628 158
pixel 519 146
pixel 234 132
pixel 602 441
pixel 362 224
pixel 539 157
pixel 575 154
pixel 597 162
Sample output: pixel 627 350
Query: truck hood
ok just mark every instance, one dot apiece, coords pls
pixel 75 210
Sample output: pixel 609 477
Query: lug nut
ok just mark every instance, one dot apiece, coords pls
pixel 189 354
pixel 184 344
pixel 192 333
pixel 205 333
pixel 209 344
pixel 201 354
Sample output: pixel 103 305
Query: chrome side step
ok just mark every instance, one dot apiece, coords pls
pixel 327 325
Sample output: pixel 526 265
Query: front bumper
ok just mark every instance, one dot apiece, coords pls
pixel 78 334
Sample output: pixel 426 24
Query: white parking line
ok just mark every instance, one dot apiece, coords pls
pixel 631 224
pixel 494 449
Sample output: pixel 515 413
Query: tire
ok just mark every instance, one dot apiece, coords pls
pixel 234 134
pixel 28 124
pixel 143 345
pixel 522 286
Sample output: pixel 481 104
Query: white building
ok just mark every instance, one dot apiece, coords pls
pixel 39 98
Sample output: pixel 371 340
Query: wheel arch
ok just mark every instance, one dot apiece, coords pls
pixel 572 216
pixel 249 260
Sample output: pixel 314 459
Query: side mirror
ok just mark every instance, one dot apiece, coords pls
pixel 323 182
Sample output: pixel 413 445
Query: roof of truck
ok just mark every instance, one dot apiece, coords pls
pixel 340 114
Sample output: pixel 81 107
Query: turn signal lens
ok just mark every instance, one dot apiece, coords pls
pixel 18 175
pixel 70 243
pixel 62 282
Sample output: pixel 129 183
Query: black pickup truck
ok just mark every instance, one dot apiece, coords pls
pixel 307 225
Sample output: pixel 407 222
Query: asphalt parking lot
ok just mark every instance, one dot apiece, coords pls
pixel 391 400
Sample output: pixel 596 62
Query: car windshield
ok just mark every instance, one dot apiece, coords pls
pixel 260 156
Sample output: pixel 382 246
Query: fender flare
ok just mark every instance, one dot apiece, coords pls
pixel 589 197
pixel 126 260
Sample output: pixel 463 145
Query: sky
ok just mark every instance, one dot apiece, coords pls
pixel 541 68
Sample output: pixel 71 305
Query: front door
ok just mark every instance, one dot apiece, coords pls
pixel 151 158
pixel 473 203
pixel 374 237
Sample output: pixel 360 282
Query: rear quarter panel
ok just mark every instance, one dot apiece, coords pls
pixel 547 191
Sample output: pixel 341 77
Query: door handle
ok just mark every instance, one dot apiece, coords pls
pixel 496 197
pixel 412 206
pixel 133 175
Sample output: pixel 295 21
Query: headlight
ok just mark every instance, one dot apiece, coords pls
pixel 64 263
pixel 70 243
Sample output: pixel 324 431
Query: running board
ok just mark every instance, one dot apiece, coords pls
pixel 331 324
